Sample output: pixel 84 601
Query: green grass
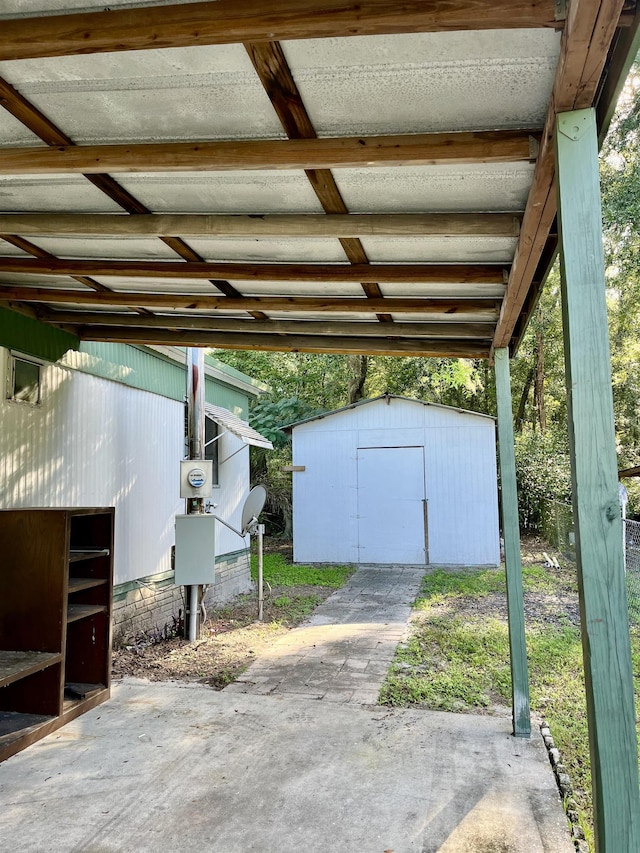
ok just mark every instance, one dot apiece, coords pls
pixel 444 586
pixel 277 572
pixel 296 607
pixel 458 660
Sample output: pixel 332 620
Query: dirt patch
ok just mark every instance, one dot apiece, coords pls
pixel 230 641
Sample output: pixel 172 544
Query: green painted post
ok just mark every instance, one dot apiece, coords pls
pixel 601 582
pixel 511 532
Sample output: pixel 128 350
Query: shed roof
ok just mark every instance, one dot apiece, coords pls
pixel 308 175
pixel 388 398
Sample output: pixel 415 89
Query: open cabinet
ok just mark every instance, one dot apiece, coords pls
pixel 56 590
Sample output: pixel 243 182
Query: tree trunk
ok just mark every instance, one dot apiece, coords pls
pixel 539 388
pixel 522 406
pixel 357 371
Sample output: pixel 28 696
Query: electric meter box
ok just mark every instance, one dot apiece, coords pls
pixel 195 557
pixel 196 478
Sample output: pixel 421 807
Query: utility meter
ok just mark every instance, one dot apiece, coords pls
pixel 196 478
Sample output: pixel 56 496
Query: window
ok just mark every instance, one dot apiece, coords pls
pixel 211 450
pixel 24 380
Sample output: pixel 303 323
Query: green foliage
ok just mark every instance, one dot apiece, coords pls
pixel 277 571
pixel 543 473
pixel 268 416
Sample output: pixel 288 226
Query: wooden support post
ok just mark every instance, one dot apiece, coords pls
pixel 601 582
pixel 511 532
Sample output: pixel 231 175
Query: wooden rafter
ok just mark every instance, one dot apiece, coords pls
pixel 421 149
pixel 227 21
pixel 438 329
pixel 282 304
pixel 32 118
pixel 292 343
pixel 478 274
pixel 37 252
pixel 275 75
pixel 589 31
pixel 268 225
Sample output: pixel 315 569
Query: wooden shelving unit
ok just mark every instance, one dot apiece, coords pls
pixel 56 589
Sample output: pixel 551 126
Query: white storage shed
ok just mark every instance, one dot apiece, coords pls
pixel 395 480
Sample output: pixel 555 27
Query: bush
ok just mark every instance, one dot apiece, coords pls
pixel 543 472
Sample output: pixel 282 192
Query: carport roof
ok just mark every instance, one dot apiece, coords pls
pixel 307 175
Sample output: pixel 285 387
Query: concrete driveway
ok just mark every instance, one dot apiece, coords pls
pixel 301 761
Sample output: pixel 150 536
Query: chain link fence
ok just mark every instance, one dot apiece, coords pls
pixel 556 527
pixel 632 566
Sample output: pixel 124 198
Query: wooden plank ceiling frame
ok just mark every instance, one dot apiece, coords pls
pixel 276 77
pixel 230 22
pixel 588 34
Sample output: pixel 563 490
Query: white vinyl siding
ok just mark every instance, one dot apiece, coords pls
pixel 93 442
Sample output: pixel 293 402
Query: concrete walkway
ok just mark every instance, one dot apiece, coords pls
pixel 342 653
pixel 182 768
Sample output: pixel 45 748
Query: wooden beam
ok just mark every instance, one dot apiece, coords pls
pixel 621 58
pixel 291 343
pixel 32 118
pixel 596 508
pixel 589 31
pixel 203 302
pixel 629 472
pixel 263 226
pixel 511 532
pixel 275 75
pixel 227 22
pixel 478 274
pixel 476 329
pixel 422 149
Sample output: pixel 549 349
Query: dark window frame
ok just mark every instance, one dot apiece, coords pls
pixel 15 395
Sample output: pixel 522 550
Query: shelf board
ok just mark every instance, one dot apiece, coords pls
pixel 14 724
pixel 82 611
pixel 76 584
pixel 78 554
pixel 17 665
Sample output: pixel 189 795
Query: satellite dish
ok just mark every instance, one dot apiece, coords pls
pixel 253 507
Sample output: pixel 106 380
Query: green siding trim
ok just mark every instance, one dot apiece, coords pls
pixel 236 374
pixel 163 579
pixel 229 398
pixel 34 338
pixel 150 371
pixel 131 366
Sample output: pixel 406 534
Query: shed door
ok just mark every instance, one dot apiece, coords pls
pixel 391 491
